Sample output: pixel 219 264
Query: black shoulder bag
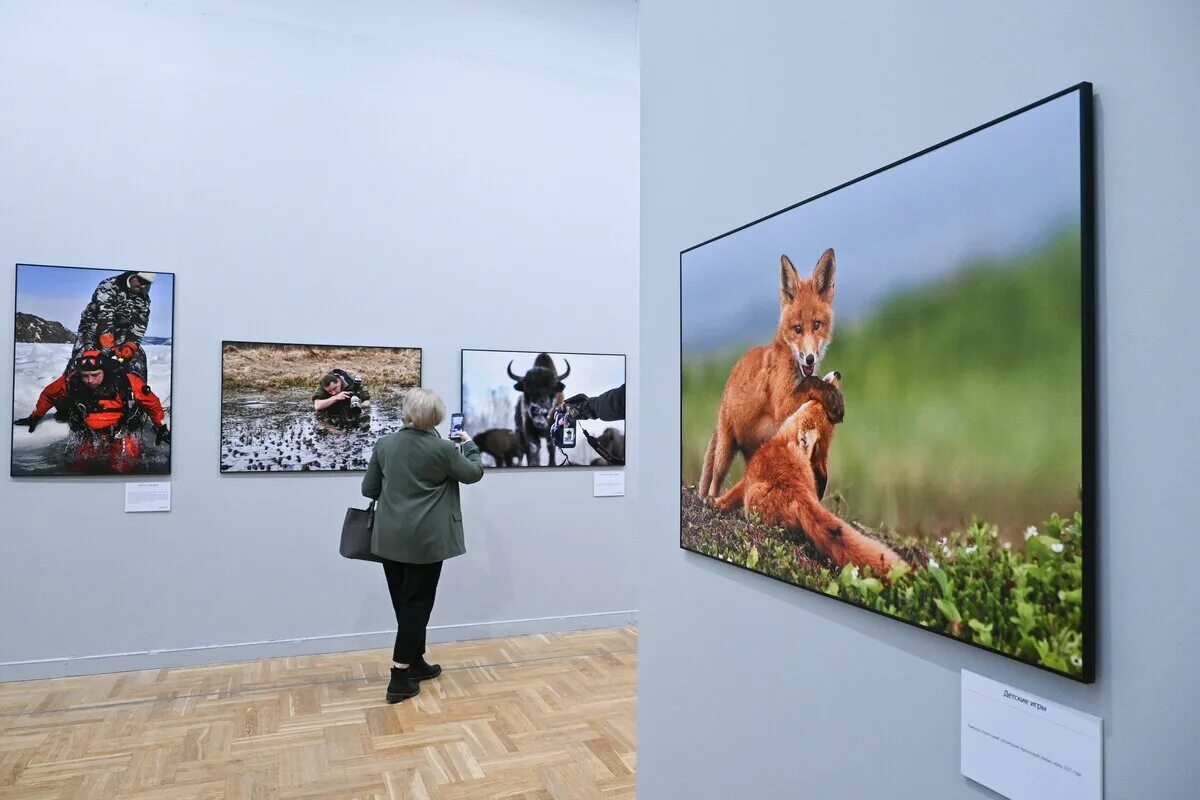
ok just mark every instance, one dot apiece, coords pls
pixel 356 533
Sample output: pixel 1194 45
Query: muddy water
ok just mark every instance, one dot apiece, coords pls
pixel 279 432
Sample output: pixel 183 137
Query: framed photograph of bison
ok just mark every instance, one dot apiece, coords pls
pixel 530 408
pixel 889 390
pixel 310 407
pixel 92 367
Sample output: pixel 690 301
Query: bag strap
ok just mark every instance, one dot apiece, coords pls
pixel 599 448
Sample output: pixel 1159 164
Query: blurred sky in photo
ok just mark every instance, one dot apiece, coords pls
pixel 59 294
pixel 998 193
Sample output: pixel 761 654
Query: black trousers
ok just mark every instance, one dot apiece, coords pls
pixel 413 588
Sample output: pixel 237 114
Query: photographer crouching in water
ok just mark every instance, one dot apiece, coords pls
pixel 341 397
pixel 413 476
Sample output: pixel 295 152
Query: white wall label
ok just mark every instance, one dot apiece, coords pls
pixel 608 484
pixel 148 496
pixel 1026 747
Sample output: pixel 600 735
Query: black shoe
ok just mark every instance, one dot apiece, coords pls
pixel 401 686
pixel 420 670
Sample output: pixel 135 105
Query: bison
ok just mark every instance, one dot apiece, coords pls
pixel 613 442
pixel 501 444
pixel 541 389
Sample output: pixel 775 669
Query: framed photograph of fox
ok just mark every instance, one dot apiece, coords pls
pixel 536 408
pixel 92 366
pixel 889 390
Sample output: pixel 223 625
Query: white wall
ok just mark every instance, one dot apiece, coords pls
pixel 750 688
pixel 397 174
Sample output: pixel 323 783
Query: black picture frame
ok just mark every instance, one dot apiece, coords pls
pixel 221 397
pixel 1089 503
pixel 524 468
pixel 123 476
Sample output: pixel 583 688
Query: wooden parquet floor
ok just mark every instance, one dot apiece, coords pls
pixel 533 717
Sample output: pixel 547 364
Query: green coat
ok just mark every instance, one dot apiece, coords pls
pixel 414 476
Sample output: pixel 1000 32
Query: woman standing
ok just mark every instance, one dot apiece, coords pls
pixel 414 476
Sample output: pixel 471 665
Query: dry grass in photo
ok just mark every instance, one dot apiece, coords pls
pixel 253 365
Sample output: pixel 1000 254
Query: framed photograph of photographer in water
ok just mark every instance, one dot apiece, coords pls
pixel 530 408
pixel 92 368
pixel 310 407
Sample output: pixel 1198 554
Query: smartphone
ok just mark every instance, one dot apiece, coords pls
pixel 456 426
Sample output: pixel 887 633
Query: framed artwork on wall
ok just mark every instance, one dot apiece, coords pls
pixel 92 368
pixel 889 390
pixel 509 400
pixel 310 407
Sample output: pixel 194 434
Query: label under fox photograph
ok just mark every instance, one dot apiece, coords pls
pixel 883 390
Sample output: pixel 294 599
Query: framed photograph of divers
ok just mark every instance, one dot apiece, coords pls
pixel 310 407
pixel 529 408
pixel 92 364
pixel 932 455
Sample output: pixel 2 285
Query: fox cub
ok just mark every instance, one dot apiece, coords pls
pixel 768 383
pixel 780 488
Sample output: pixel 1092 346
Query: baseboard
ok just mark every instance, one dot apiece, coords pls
pixel 282 648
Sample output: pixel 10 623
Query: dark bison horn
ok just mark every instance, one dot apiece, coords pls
pixel 510 372
pixel 563 377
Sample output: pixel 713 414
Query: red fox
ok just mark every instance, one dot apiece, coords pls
pixel 779 489
pixel 769 383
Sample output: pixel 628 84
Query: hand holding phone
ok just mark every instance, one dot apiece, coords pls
pixel 562 431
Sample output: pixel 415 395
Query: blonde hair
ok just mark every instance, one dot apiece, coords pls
pixel 423 408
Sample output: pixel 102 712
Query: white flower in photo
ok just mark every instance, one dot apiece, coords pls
pixel 1030 532
pixel 933 563
pixel 1057 547
pixel 970 548
pixel 1077 661
pixel 1007 545
pixel 945 550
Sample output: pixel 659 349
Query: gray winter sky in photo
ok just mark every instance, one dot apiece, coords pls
pixel 998 193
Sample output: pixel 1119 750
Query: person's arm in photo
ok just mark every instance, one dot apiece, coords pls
pixel 322 403
pixel 87 335
pixel 149 401
pixel 608 406
pixel 103 309
pixel 138 322
pixel 465 465
pixel 55 391
pixel 135 330
pixel 372 482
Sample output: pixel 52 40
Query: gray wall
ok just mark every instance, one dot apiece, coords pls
pixel 750 688
pixel 396 174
